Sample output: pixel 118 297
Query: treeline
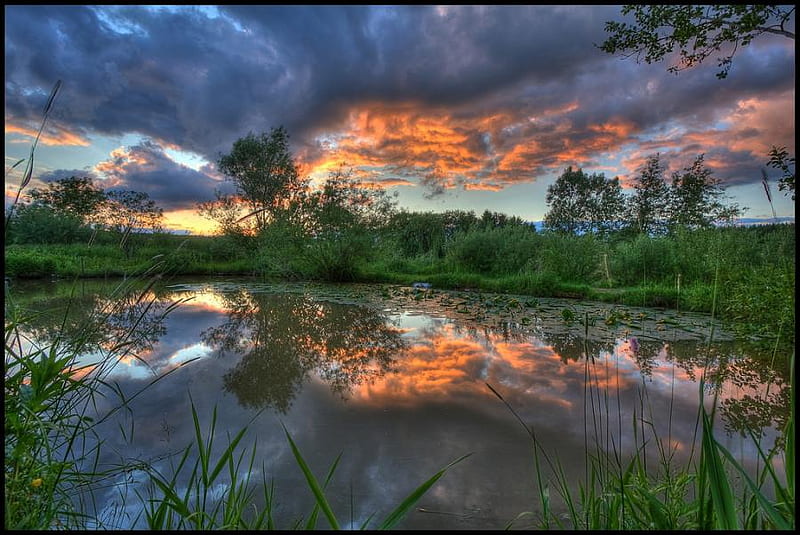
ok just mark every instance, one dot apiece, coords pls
pixel 664 244
pixel 75 210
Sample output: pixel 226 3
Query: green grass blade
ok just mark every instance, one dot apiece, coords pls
pixel 721 494
pixel 765 504
pixel 312 519
pixel 401 510
pixel 312 483
pixel 227 454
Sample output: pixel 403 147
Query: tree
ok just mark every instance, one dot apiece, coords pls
pixel 340 221
pixel 38 223
pixel 263 172
pixel 649 205
pixel 227 212
pixel 76 196
pixel 583 203
pixel 697 198
pixel 491 220
pixel 695 31
pixel 127 211
pixel 780 159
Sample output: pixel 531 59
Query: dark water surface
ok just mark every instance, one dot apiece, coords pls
pixel 395 379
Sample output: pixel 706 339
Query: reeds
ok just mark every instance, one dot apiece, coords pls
pixel 624 493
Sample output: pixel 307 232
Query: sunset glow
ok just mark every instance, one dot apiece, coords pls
pixel 450 107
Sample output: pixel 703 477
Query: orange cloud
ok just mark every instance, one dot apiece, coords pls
pixel 52 135
pixel 440 147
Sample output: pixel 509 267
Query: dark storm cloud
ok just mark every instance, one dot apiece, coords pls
pixel 199 82
pixel 146 167
pixel 60 174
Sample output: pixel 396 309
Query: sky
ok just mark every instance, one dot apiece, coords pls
pixel 448 107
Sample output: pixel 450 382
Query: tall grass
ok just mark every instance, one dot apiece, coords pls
pixel 51 444
pixel 197 507
pixel 628 492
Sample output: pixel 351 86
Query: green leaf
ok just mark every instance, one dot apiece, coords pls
pixel 313 483
pixel 401 510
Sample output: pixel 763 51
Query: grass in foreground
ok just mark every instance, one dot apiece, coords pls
pixel 623 494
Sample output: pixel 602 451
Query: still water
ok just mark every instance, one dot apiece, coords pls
pixel 396 380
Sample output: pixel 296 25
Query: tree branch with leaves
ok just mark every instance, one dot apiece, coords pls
pixel 694 31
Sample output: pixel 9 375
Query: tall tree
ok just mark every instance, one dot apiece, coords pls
pixel 264 173
pixel 648 208
pixel 132 210
pixel 694 31
pixel 697 198
pixel 76 196
pixel 583 203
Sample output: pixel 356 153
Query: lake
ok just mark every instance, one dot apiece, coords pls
pixel 397 380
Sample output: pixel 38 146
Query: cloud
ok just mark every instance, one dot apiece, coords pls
pixel 146 167
pixel 60 174
pixel 476 97
pixel 51 135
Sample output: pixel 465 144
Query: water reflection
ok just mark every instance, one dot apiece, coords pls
pixel 99 319
pixel 414 376
pixel 752 388
pixel 283 338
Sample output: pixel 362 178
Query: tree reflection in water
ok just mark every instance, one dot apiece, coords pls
pixel 283 338
pixel 746 367
pixel 98 317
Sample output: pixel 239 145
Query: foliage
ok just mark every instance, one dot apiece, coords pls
pixel 490 220
pixel 761 301
pixel 696 198
pixel 264 173
pixel 40 224
pixel 580 203
pixel 77 196
pixel 417 233
pixel 648 207
pixel 129 210
pixel 498 250
pixel 694 31
pixel 643 259
pixel 227 211
pixel 779 159
pixel 571 258
pixel 329 233
pixel 28 264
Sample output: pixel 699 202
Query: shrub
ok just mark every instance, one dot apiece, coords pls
pixel 571 258
pixel 643 259
pixel 28 263
pixel 500 251
pixel 38 224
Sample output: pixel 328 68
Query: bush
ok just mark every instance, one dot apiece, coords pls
pixel 642 260
pixel 28 264
pixel 499 251
pixel 572 258
pixel 36 224
pixel 762 301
